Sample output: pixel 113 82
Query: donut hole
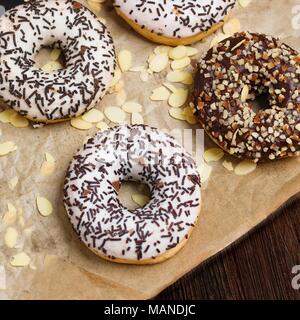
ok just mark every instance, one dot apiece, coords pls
pixel 132 188
pixel 260 102
pixel 44 57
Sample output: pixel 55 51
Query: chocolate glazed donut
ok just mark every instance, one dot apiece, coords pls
pixel 227 80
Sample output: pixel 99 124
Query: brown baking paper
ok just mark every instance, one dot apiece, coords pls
pixel 61 266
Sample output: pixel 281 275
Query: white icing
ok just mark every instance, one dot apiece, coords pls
pixel 142 154
pixel 175 18
pixel 89 52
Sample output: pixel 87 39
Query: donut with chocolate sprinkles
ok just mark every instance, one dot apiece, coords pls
pixel 174 22
pixel 89 53
pixel 228 79
pixel 146 235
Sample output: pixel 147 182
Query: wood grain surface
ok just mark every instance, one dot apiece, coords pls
pixel 259 266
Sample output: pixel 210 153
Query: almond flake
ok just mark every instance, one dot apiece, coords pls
pixel 121 98
pixel 137 118
pixel 5 116
pixel 180 76
pixel 177 113
pixel 115 114
pixel 218 38
pixel 52 66
pixel 160 94
pixel 117 77
pixel 228 165
pixel 245 93
pixel 191 51
pixel 162 50
pixel 244 3
pixel 93 116
pixel 178 98
pixel 12 183
pixel 125 60
pixel 298 127
pixel 49 157
pixel 7 147
pixel 181 63
pixel 44 206
pixel 232 26
pixel 80 124
pixel 131 107
pixel 102 126
pixel 204 172
pixel 178 52
pixel 11 237
pixel 20 260
pixel 245 167
pixel 144 75
pixel 55 54
pixel 140 199
pixel 18 121
pixel 47 168
pixel 2 278
pixel 213 154
pixel 158 62
pixel 170 86
pixel 10 217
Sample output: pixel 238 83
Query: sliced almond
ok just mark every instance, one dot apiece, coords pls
pixel 232 26
pixel 11 237
pixel 245 167
pixel 102 126
pixel 117 77
pixel 80 124
pixel 44 206
pixel 115 114
pixel 2 278
pixel 12 183
pixel 55 54
pixel 47 168
pixel 178 98
pixel 228 165
pixel 10 217
pixel 20 260
pixel 181 63
pixel 49 157
pixel 18 121
pixel 125 60
pixel 137 118
pixel 131 107
pixel 298 127
pixel 144 75
pixel 218 38
pixel 52 66
pixel 204 172
pixel 213 154
pixel 244 3
pixel 158 62
pixel 178 52
pixel 140 199
pixel 177 113
pixel 245 93
pixel 170 86
pixel 7 147
pixel 160 94
pixel 93 116
pixel 180 76
pixel 121 98
pixel 191 51
pixel 5 116
pixel 162 50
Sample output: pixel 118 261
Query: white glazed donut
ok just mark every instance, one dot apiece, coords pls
pixel 174 22
pixel 88 49
pixel 140 153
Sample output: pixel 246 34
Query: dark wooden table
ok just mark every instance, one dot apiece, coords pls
pixel 259 266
